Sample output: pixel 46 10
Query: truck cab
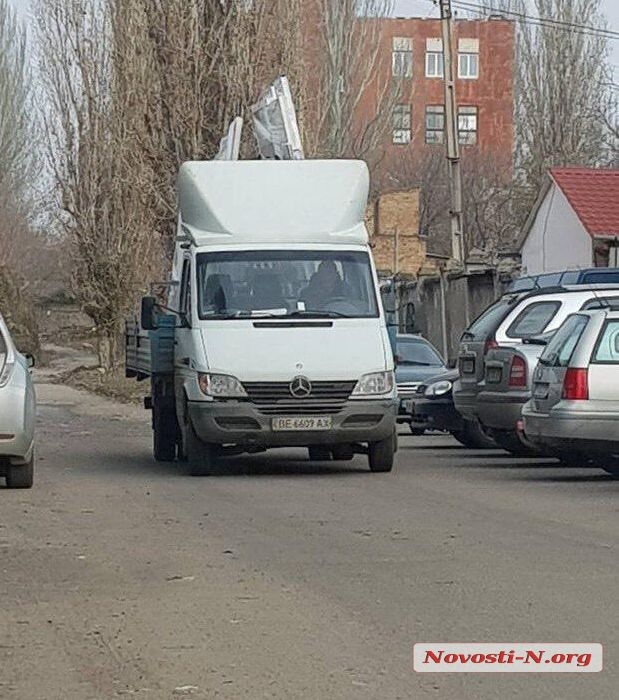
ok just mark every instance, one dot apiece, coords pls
pixel 279 335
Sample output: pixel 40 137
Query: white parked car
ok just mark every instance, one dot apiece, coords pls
pixel 574 409
pixel 17 414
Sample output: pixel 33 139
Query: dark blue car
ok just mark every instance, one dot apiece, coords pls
pixel 417 360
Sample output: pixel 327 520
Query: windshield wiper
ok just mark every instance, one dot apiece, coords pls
pixel 317 314
pixel 243 315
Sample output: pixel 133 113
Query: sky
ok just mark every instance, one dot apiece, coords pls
pixel 426 8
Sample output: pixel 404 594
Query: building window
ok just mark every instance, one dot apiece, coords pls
pixel 468 65
pixel 467 126
pixel 402 124
pixel 435 124
pixel 402 57
pixel 434 58
pixel 434 65
pixel 468 59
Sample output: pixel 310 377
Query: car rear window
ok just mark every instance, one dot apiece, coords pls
pixel 607 348
pixel 486 324
pixel 533 319
pixel 560 349
pixel 416 352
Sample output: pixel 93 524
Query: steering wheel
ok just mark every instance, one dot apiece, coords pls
pixel 341 305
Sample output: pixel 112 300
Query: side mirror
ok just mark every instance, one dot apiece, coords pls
pixel 148 317
pixel 29 360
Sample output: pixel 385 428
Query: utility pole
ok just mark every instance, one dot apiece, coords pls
pixel 451 129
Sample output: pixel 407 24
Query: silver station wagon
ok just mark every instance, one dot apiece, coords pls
pixel 574 409
pixel 17 414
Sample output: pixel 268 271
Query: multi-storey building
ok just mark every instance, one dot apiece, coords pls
pixel 409 82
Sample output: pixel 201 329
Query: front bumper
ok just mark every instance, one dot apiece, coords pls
pixel 501 410
pixel 243 423
pixel 563 429
pixel 437 414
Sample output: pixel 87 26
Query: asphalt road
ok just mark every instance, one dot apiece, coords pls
pixel 285 579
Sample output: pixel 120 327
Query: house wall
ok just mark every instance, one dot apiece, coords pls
pixel 557 239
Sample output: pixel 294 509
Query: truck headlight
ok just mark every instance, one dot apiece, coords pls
pixel 438 389
pixel 374 384
pixel 221 386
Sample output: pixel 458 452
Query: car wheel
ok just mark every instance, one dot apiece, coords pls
pixel 20 476
pixel 574 460
pixel 164 435
pixel 416 431
pixel 343 453
pixel 381 454
pixel 510 442
pixel 473 436
pixel 319 453
pixel 201 458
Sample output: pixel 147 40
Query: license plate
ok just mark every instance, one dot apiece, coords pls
pixel 300 423
pixel 494 374
pixel 407 405
pixel 467 366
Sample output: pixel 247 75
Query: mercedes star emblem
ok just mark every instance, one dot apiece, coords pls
pixel 300 387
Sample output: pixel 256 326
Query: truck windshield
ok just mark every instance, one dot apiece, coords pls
pixel 285 283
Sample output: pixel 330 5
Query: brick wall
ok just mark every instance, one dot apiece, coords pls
pixel 397 212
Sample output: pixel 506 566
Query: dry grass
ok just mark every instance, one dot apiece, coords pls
pixel 111 383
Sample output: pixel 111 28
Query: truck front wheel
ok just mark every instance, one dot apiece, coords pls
pixel 201 458
pixel 381 454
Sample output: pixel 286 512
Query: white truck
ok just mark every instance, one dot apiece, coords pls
pixel 273 334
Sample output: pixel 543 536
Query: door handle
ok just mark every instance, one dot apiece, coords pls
pixel 185 361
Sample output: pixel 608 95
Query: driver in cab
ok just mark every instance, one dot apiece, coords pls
pixel 325 285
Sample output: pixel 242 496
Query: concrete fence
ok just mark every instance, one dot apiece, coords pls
pixel 442 306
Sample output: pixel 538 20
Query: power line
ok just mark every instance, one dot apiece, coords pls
pixel 541 21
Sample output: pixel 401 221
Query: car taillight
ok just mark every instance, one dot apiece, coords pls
pixel 518 372
pixel 576 384
pixel 489 345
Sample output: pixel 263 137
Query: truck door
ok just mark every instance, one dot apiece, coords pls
pixel 184 349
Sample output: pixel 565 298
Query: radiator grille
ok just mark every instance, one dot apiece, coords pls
pixel 275 398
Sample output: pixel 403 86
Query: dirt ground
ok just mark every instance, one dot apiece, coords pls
pixel 122 577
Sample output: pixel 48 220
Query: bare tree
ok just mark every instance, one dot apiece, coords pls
pixel 90 152
pixel 17 134
pixel 351 73
pixel 136 87
pixel 562 91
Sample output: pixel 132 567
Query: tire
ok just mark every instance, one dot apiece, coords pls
pixel 165 435
pixel 574 460
pixel 201 458
pixel 381 454
pixel 416 431
pixel 319 453
pixel 510 442
pixel 611 466
pixel 474 437
pixel 20 476
pixel 343 453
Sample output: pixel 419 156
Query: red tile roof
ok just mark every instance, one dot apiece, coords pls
pixel 594 195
